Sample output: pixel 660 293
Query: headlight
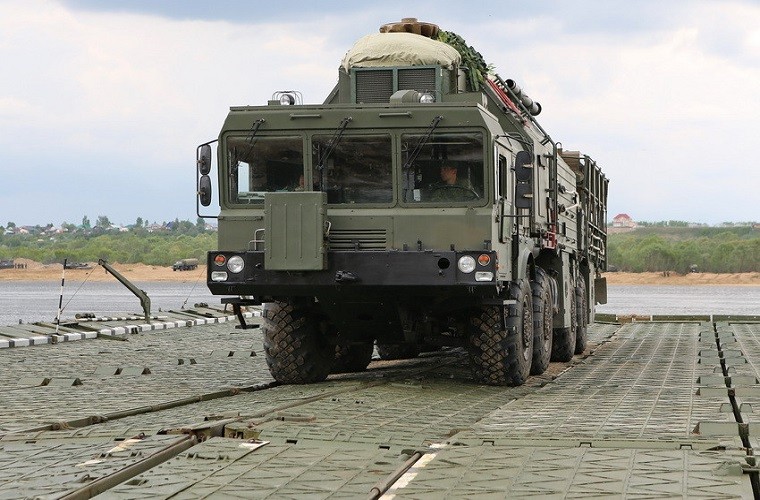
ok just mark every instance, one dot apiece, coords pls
pixel 484 276
pixel 427 98
pixel 466 264
pixel 235 264
pixel 219 276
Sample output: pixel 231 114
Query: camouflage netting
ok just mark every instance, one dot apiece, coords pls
pixel 472 61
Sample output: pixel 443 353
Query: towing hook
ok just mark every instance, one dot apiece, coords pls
pixel 345 277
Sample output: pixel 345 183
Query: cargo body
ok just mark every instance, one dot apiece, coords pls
pixel 415 208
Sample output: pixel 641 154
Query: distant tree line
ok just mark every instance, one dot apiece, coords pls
pixel 171 242
pixel 678 248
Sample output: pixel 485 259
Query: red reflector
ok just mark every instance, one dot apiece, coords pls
pixel 219 260
pixel 484 259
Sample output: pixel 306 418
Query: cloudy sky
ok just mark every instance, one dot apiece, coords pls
pixel 102 103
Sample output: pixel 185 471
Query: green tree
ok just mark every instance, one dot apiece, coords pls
pixel 86 222
pixel 103 222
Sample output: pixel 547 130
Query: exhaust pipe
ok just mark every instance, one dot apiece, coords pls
pixel 532 106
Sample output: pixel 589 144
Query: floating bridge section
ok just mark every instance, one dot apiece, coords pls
pixel 184 407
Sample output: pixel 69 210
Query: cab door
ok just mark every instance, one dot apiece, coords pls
pixel 503 208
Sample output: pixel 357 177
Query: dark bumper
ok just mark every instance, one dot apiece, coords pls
pixel 348 273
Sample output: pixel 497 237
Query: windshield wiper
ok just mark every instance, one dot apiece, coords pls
pixel 421 143
pixel 407 168
pixel 250 139
pixel 334 140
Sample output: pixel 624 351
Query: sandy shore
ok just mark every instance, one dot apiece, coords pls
pixel 142 272
pixel 134 272
pixel 743 279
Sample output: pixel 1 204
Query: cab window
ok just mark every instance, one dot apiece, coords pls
pixel 358 170
pixel 448 169
pixel 261 165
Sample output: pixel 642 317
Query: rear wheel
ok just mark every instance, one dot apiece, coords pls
pixel 581 317
pixel 398 351
pixel 352 357
pixel 502 356
pixel 563 344
pixel 296 351
pixel 543 314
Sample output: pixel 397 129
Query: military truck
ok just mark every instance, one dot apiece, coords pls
pixel 185 265
pixel 420 206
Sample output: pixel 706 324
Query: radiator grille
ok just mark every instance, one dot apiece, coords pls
pixel 375 86
pixel 416 79
pixel 358 239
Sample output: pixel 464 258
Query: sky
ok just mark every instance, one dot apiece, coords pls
pixel 102 103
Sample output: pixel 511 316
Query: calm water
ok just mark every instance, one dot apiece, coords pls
pixel 31 301
pixel 38 301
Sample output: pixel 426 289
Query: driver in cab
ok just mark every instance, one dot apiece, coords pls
pixel 452 187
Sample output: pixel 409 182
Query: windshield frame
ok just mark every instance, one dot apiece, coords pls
pixel 397 159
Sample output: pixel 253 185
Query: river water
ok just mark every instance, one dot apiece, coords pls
pixel 31 301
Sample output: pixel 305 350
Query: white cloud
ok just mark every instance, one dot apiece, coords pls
pixel 662 109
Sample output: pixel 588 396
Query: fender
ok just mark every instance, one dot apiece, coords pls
pixel 521 264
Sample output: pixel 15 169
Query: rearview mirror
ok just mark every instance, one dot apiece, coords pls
pixel 204 190
pixel 523 167
pixel 204 159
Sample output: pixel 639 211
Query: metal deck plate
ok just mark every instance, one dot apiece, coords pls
pixel 638 416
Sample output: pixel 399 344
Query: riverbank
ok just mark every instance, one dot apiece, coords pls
pixel 36 271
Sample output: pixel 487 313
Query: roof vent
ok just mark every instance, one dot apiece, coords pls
pixel 411 25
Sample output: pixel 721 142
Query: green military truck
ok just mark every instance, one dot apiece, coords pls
pixel 420 206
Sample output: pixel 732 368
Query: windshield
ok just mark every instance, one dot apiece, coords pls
pixel 260 165
pixel 449 168
pixel 358 170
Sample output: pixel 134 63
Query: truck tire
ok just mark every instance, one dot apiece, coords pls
pixel 543 315
pixel 398 351
pixel 502 356
pixel 581 319
pixel 352 357
pixel 296 352
pixel 563 344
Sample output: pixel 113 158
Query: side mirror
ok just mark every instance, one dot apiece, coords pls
pixel 524 178
pixel 523 196
pixel 204 190
pixel 523 167
pixel 204 159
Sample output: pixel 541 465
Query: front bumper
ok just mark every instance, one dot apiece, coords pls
pixel 352 273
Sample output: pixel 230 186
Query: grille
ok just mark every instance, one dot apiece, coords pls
pixel 416 79
pixel 358 239
pixel 374 86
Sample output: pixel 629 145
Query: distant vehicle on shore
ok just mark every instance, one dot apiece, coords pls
pixel 6 264
pixel 77 265
pixel 185 265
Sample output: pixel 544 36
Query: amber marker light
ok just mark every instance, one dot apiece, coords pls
pixel 219 260
pixel 484 259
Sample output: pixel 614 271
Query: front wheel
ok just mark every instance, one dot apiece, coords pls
pixel 296 351
pixel 499 355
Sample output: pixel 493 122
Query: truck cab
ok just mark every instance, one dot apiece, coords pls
pixel 421 205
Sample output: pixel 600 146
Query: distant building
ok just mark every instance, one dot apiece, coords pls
pixel 623 221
